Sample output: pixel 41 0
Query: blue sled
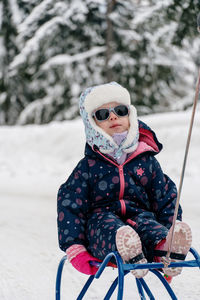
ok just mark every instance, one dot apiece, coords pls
pixel 124 269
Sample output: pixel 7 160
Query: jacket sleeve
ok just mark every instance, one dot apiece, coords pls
pixel 72 207
pixel 163 195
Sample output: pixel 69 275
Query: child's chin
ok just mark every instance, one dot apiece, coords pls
pixel 120 130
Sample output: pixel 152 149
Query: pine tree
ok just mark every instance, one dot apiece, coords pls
pixel 55 49
pixel 185 14
pixel 8 51
pixel 160 63
pixel 60 42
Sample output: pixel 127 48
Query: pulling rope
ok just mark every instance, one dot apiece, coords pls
pixel 166 261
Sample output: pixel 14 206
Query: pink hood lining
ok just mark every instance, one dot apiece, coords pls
pixel 146 143
pixel 147 137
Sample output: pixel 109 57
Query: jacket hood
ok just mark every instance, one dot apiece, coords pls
pixel 94 97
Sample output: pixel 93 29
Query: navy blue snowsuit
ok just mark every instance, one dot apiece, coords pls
pixel 100 196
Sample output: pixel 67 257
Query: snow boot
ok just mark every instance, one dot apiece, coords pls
pixel 181 244
pixel 130 248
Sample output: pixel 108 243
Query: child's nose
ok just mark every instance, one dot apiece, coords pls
pixel 113 116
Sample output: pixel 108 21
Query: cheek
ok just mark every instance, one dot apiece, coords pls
pixel 99 124
pixel 127 124
pixel 103 125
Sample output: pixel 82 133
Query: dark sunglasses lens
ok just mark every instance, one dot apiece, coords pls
pixel 102 114
pixel 121 110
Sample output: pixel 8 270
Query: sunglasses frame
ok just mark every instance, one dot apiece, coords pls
pixel 111 109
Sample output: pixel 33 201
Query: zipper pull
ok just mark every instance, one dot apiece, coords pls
pixel 120 169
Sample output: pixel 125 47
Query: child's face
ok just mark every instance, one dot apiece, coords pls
pixel 114 124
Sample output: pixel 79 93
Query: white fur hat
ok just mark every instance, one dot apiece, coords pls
pixel 109 92
pixel 96 96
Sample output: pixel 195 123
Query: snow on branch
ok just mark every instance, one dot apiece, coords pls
pixel 34 107
pixel 16 14
pixel 143 14
pixel 33 44
pixel 37 13
pixel 64 59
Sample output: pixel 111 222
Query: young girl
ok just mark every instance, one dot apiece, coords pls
pixel 117 198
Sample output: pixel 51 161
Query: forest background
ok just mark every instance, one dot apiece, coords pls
pixel 50 51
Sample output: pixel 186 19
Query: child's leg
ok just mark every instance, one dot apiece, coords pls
pixel 107 233
pixel 101 232
pixel 150 232
pixel 181 244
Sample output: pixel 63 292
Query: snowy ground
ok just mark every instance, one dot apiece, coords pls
pixel 34 161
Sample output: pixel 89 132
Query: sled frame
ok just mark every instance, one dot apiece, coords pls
pixel 123 270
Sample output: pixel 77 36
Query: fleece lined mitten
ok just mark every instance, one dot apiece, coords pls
pixel 80 259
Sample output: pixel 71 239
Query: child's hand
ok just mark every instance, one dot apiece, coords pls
pixel 80 259
pixel 81 262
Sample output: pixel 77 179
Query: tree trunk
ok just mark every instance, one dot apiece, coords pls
pixel 109 40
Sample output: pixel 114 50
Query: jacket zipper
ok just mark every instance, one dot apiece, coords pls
pixel 122 187
pixel 121 177
pixel 122 182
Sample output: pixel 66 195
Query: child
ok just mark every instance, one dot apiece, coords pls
pixel 117 198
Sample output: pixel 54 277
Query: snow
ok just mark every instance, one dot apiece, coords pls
pixel 65 59
pixel 34 161
pixel 34 16
pixel 16 14
pixel 144 14
pixel 33 44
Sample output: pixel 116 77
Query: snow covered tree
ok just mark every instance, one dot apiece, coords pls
pixel 187 12
pixel 156 77
pixel 8 51
pixel 52 50
pixel 59 42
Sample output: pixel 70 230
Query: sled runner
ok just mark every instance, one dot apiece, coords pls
pixel 124 269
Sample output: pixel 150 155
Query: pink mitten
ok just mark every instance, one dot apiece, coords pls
pixel 82 263
pixel 80 259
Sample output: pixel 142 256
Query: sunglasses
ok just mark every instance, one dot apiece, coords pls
pixel 103 114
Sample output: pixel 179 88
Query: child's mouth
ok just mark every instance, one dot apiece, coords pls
pixel 115 125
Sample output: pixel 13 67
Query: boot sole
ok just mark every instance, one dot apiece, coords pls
pixel 129 246
pixel 181 243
